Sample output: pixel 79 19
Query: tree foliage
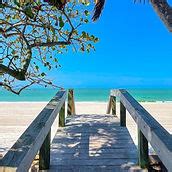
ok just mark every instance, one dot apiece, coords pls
pixel 33 34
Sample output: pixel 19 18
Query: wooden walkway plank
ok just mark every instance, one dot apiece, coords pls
pixel 92 142
pixel 90 169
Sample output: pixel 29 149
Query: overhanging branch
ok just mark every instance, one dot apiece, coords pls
pixel 49 44
pixel 14 91
pixel 20 75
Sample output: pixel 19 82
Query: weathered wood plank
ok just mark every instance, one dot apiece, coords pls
pixel 67 137
pixel 122 115
pixel 107 156
pixel 93 143
pixel 156 135
pixel 107 150
pixel 62 116
pixel 71 103
pixel 114 105
pixel 120 145
pixel 44 153
pixel 22 153
pixel 97 162
pixel 109 105
pixel 95 168
pixel 143 150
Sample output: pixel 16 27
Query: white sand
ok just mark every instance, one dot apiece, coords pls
pixel 16 117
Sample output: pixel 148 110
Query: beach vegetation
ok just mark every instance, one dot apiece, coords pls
pixel 34 33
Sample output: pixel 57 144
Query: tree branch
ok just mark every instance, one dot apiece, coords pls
pixel 20 75
pixel 9 88
pixel 49 44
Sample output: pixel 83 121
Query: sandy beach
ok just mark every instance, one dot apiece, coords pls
pixel 16 117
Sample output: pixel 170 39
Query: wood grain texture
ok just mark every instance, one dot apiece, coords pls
pixel 71 103
pixel 156 135
pixel 62 116
pixel 44 153
pixel 122 115
pixel 109 105
pixel 95 168
pixel 22 153
pixel 113 105
pixel 92 142
pixel 143 150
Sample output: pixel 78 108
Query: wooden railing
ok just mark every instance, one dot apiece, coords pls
pixel 149 130
pixel 37 137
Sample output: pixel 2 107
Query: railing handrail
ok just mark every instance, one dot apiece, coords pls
pixel 156 135
pixel 23 152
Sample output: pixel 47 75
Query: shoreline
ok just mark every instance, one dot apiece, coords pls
pixel 32 102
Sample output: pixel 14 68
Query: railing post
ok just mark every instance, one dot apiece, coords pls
pixel 44 153
pixel 113 105
pixel 62 116
pixel 143 150
pixel 109 105
pixel 71 103
pixel 122 115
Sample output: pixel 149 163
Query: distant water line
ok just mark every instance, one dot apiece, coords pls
pixel 86 95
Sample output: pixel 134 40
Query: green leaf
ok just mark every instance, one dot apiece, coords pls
pixel 17 3
pixel 53 48
pixel 86 20
pixel 96 40
pixel 86 12
pixel 84 34
pixel 37 67
pixel 28 12
pixel 43 74
pixel 44 58
pixel 44 48
pixel 61 23
pixel 1 5
pixel 13 52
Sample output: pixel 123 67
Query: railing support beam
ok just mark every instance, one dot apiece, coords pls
pixel 62 116
pixel 111 105
pixel 44 154
pixel 143 150
pixel 113 99
pixel 122 115
pixel 71 103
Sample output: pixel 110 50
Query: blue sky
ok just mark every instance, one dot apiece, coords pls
pixel 135 51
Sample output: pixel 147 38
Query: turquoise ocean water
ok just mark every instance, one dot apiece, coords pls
pixel 41 94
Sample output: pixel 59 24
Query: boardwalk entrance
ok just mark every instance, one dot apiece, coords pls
pixel 93 143
pixel 89 142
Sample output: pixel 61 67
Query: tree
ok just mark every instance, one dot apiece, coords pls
pixel 33 33
pixel 163 9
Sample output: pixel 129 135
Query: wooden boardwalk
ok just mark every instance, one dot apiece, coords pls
pixel 89 142
pixel 92 143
